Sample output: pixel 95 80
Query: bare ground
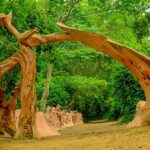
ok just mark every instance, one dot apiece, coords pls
pixel 92 136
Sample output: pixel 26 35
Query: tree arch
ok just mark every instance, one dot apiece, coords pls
pixel 137 63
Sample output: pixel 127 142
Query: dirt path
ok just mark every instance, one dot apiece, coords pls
pixel 92 136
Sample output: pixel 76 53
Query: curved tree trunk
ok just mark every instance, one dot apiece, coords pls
pixel 27 125
pixel 26 58
pixel 137 63
pixel 2 109
pixel 7 112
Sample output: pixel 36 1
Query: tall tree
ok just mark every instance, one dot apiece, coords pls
pixel 46 87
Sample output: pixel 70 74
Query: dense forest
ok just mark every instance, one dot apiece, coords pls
pixel 80 77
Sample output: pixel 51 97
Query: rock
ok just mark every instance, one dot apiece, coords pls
pixel 52 117
pixel 58 118
pixel 66 119
pixel 77 118
pixel 137 121
pixel 52 120
pixel 43 127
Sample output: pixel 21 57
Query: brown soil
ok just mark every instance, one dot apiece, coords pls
pixel 98 135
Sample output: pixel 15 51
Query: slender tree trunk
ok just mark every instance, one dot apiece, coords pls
pixel 46 88
pixel 9 113
pixel 46 6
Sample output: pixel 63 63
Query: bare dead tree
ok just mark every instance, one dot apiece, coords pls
pixel 70 6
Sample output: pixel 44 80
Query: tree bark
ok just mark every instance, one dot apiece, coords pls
pixel 7 109
pixel 46 6
pixel 26 58
pixel 7 112
pixel 2 108
pixel 27 124
pixel 46 88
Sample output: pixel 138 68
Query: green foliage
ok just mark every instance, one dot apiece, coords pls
pixel 126 92
pixel 58 92
pixel 78 60
pixel 87 95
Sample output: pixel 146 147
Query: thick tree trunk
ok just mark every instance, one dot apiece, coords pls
pixel 26 58
pixel 7 109
pixel 27 125
pixel 46 88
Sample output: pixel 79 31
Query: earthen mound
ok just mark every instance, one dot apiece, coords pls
pixel 137 121
pixel 54 119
